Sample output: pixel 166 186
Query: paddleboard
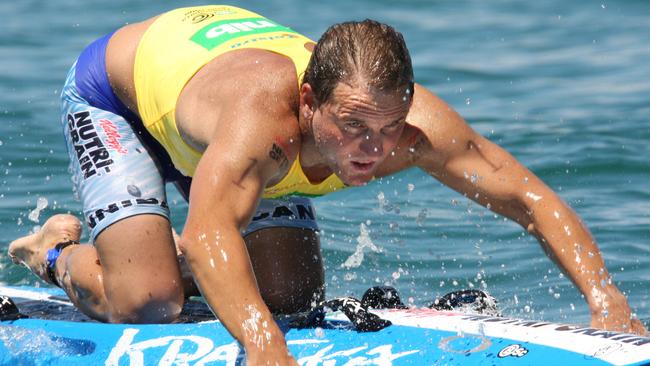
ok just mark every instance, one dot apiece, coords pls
pixel 55 333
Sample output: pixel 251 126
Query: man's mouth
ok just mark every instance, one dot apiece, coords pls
pixel 363 166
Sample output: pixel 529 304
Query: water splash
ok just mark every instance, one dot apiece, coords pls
pixel 364 242
pixel 41 204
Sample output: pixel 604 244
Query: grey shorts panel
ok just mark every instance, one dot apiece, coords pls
pixel 294 211
pixel 112 172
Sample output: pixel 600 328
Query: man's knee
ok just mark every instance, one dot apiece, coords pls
pixel 288 266
pixel 147 306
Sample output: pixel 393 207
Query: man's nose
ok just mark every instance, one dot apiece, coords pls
pixel 372 144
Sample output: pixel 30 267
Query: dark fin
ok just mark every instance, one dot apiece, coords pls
pixel 8 309
pixel 382 297
pixel 474 301
pixel 361 318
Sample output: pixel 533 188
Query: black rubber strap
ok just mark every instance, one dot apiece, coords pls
pixel 360 317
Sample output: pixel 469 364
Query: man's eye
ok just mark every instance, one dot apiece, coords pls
pixel 353 124
pixel 391 127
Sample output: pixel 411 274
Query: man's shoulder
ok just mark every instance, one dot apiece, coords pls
pixel 250 90
pixel 248 74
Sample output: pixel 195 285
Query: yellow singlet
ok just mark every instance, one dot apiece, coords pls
pixel 178 44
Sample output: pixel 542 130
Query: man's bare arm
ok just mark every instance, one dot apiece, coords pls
pixel 448 149
pixel 225 191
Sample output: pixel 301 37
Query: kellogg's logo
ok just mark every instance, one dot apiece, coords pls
pixel 112 136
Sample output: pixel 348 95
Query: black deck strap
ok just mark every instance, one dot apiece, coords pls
pixel 8 309
pixel 52 256
pixel 382 297
pixel 476 301
pixel 361 318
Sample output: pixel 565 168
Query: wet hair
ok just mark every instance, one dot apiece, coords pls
pixel 372 52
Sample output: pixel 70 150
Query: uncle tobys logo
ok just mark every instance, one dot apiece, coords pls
pixel 217 33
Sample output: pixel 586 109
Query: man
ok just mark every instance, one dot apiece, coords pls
pixel 241 105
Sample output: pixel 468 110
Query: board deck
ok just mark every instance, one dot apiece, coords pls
pixel 57 334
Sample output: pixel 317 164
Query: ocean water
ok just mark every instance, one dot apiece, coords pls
pixel 563 86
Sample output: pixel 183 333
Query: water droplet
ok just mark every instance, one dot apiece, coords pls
pixel 468 101
pixel 422 215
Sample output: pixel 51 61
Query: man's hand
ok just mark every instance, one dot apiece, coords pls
pixel 612 312
pixel 277 354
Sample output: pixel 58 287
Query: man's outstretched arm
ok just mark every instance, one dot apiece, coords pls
pixel 226 187
pixel 449 150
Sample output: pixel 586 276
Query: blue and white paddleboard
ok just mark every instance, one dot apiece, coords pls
pixel 416 337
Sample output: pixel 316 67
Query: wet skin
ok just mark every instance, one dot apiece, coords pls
pixel 251 124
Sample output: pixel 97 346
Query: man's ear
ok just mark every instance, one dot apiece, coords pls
pixel 307 101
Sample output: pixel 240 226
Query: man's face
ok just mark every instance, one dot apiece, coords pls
pixel 358 127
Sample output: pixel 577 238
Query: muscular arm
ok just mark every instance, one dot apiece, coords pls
pixel 448 149
pixel 225 191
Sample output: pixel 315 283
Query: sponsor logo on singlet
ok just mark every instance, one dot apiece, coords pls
pixel 203 14
pixel 217 33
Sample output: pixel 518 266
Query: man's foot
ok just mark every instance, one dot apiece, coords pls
pixel 31 250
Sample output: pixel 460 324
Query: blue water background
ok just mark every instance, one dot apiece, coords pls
pixel 564 86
